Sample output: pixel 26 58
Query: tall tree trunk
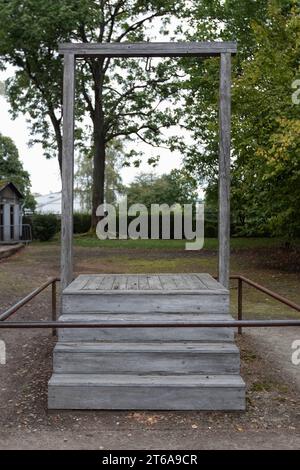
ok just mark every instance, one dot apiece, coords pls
pixel 99 147
pixel 56 123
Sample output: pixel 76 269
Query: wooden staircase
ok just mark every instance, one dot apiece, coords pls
pixel 182 368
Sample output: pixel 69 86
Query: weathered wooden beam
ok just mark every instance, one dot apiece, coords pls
pixel 149 49
pixel 224 169
pixel 67 171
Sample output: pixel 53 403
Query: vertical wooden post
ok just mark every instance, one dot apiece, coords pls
pixel 224 169
pixel 67 171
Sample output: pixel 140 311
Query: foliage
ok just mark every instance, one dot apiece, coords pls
pixel 266 129
pixel 175 187
pixel 82 222
pixel 121 97
pixel 29 35
pixel 265 122
pixel 11 169
pixel 113 185
pixel 44 226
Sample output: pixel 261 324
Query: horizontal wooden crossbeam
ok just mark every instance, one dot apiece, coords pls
pixel 149 49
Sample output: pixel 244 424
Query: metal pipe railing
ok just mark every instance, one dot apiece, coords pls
pixel 240 323
pixel 201 324
pixel 261 288
pixel 51 281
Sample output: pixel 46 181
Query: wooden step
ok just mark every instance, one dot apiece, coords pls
pixel 140 392
pixel 146 358
pixel 145 333
pixel 146 368
pixel 145 293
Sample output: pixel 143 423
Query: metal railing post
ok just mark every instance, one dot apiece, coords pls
pixel 240 303
pixel 53 302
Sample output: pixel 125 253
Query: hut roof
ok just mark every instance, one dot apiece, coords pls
pixel 5 183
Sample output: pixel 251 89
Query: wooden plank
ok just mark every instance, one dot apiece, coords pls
pixel 224 169
pixel 143 282
pixel 67 171
pixel 209 281
pixel 145 302
pixel 187 282
pixel 132 282
pixel 179 281
pixel 80 282
pixel 154 282
pixel 107 282
pixel 146 333
pixel 199 284
pixel 146 49
pixel 146 358
pixel 183 283
pixel 168 282
pixel 146 392
pixel 93 283
pixel 120 283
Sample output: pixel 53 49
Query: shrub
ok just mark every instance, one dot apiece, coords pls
pixel 44 226
pixel 82 222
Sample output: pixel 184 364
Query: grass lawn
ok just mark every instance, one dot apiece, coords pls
pixel 88 240
pixel 260 259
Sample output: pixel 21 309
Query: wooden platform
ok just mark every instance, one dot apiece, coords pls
pixel 145 293
pixel 146 368
pixel 156 283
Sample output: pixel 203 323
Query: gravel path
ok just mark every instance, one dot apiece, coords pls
pixel 271 421
pixel 275 346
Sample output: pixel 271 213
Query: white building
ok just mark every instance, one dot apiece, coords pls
pixel 51 203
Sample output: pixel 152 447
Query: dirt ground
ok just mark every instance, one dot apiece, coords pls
pixel 272 419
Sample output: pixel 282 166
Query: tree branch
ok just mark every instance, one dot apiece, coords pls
pixel 151 143
pixel 102 24
pixel 138 24
pixel 127 133
pixel 112 19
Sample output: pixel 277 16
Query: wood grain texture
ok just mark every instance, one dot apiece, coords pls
pixel 149 283
pixel 123 392
pixel 145 333
pixel 224 169
pixel 141 302
pixel 67 171
pixel 146 358
pixel 149 49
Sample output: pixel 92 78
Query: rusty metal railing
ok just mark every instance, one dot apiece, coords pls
pixel 51 281
pixel 242 279
pixel 200 324
pixel 240 323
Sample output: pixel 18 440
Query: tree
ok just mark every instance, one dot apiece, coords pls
pixel 113 182
pixel 175 187
pixel 214 21
pixel 11 169
pixel 265 125
pixel 126 98
pixel 37 85
pixel 121 97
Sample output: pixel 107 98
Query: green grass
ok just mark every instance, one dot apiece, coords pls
pixel 88 240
